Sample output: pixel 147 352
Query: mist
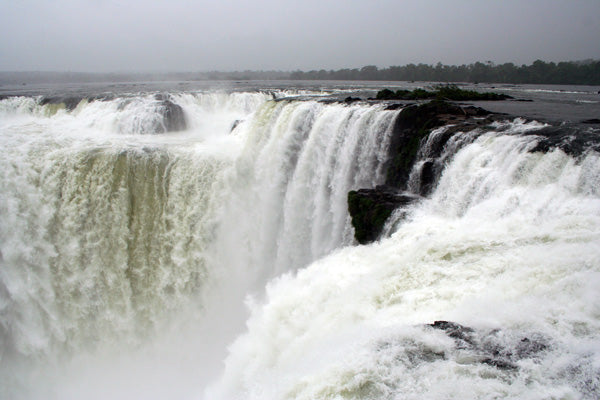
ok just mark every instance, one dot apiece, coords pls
pixel 161 36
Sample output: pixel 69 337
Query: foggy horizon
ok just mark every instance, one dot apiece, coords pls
pixel 283 71
pixel 109 36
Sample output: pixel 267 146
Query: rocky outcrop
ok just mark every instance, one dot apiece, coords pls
pixel 492 348
pixel 416 122
pixel 173 117
pixel 69 102
pixel 370 208
pixel 235 124
pixel 573 139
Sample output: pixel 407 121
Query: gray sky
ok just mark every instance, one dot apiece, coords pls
pixel 180 35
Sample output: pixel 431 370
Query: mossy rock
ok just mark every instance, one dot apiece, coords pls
pixel 370 209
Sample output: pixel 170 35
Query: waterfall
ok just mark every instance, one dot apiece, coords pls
pixel 288 204
pixel 112 237
pixel 148 239
pixel 506 246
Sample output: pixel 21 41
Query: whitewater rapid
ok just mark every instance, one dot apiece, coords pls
pixel 217 261
pixel 105 226
pixel 116 234
pixel 508 245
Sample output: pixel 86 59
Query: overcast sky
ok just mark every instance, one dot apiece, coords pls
pixel 180 35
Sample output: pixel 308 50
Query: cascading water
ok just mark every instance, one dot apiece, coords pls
pixel 111 238
pixel 104 232
pixel 138 231
pixel 507 246
pixel 288 206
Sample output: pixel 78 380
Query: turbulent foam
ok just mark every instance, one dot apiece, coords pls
pixel 125 257
pixel 112 236
pixel 101 244
pixel 103 236
pixel 508 245
pixel 144 113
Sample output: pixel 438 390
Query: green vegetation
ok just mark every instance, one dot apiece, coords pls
pixel 567 72
pixel 575 73
pixel 440 92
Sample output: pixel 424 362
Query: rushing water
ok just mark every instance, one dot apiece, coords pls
pixel 218 262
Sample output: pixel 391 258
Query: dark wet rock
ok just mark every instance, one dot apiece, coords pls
pixel 235 124
pixel 431 157
pixel 123 103
pixel 103 97
pixel 395 106
pixel 351 99
pixel 493 348
pixel 500 364
pixel 591 121
pixel 370 208
pixel 499 349
pixel 70 102
pixel 463 336
pixel 172 115
pixel 414 123
pixel 573 139
pixel 530 347
pixel 413 149
pixel 412 126
pixel 427 177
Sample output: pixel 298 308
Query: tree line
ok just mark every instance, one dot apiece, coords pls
pixel 566 72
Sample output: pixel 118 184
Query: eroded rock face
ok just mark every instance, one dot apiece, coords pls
pixel 70 102
pixel 573 139
pixel 173 117
pixel 416 122
pixel 370 208
pixel 415 150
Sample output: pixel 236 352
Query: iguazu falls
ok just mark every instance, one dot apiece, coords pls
pixel 299 241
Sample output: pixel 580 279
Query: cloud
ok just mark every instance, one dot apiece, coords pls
pixel 179 35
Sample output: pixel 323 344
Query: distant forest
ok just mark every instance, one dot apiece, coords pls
pixel 575 73
pixel 572 72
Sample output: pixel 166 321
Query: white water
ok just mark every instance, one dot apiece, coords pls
pixel 104 236
pixel 126 258
pixel 117 246
pixel 509 244
pixel 288 206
